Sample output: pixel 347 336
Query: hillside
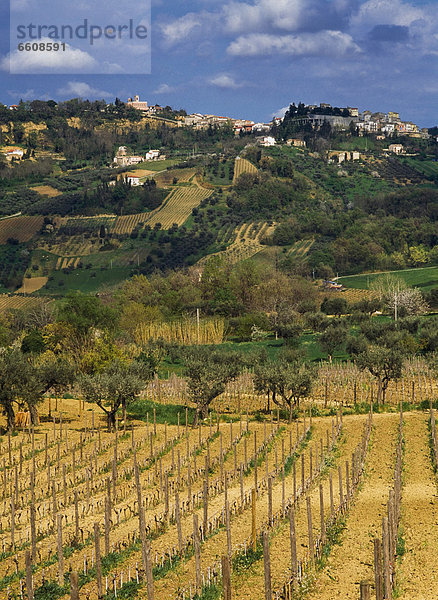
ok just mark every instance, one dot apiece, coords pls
pixel 299 209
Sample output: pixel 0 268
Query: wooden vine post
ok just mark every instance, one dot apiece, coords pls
pixel 267 566
pixel 253 520
pixel 310 530
pixel 98 561
pixel 178 524
pixel 197 547
pixel 74 586
pixel 60 553
pixel 226 576
pixel 29 584
pixel 293 542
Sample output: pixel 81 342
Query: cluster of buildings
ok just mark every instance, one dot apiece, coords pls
pixel 386 124
pixel 379 123
pixel 13 154
pixel 143 106
pixel 240 126
pixel 123 159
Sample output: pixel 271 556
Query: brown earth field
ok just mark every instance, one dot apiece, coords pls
pixel 73 454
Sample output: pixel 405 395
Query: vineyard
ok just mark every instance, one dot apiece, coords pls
pixel 251 509
pixel 398 171
pixel 127 223
pixel 178 206
pixel 17 302
pixel 301 248
pixel 166 178
pixel 22 229
pixel 243 166
pixel 247 241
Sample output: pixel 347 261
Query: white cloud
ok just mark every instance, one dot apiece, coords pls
pixel 262 16
pixel 324 43
pixel 164 88
pixel 80 89
pixel 72 59
pixel 180 29
pixel 387 12
pixel 224 80
pixel 287 15
pixel 26 95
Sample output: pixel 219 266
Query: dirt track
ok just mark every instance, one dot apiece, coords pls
pixel 351 562
pixel 418 573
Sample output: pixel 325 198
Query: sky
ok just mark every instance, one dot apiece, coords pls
pixel 244 59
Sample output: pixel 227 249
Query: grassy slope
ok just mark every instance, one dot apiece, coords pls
pixel 84 280
pixel 425 278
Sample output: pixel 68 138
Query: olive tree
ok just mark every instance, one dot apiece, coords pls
pixel 208 372
pixel 287 379
pixel 116 386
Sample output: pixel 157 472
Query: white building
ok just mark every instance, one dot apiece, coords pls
pixel 267 141
pixel 123 159
pixel 396 148
pixel 143 106
pixel 153 155
pixel 16 153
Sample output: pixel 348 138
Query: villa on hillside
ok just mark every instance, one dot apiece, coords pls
pixel 123 159
pixel 266 141
pixel 14 153
pixel 153 155
pixel 396 148
pixel 143 106
pixel 341 156
pixel 297 143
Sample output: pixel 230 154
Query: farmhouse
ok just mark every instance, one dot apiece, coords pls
pixel 267 141
pixel 134 180
pixel 296 143
pixel 396 148
pixel 153 155
pixel 341 156
pixel 123 159
pixel 14 153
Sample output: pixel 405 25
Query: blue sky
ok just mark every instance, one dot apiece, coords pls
pixel 252 58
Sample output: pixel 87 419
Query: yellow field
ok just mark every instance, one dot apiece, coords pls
pixel 243 166
pixel 246 243
pixel 165 179
pixel 127 223
pixel 178 206
pixel 46 190
pixel 74 246
pixel 32 284
pixel 17 302
pixel 20 228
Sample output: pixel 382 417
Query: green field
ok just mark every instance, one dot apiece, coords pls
pixel 156 165
pixel 84 280
pixel 224 168
pixel 425 278
pixel 428 167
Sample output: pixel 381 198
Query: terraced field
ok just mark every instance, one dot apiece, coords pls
pixel 246 242
pixel 22 229
pixel 243 166
pixel 178 206
pixel 17 302
pixel 127 223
